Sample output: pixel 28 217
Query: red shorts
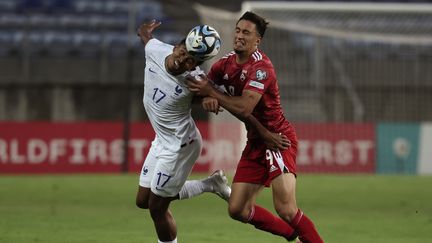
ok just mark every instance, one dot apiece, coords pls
pixel 259 165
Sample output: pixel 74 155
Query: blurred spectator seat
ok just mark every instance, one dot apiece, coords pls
pixel 58 43
pixel 115 43
pixel 8 6
pixel 41 21
pixel 60 6
pixel 85 6
pixel 87 44
pixel 117 7
pixel 25 6
pixel 6 43
pixel 72 21
pixel 12 21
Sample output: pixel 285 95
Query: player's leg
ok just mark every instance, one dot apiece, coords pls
pixel 216 183
pixel 146 176
pixel 242 207
pixel 242 200
pixel 284 189
pixel 169 176
pixel 142 197
pixel 163 220
pixel 250 178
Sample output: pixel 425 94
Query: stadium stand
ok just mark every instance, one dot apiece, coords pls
pixel 77 45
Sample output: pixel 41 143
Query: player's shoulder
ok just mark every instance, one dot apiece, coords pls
pixel 260 58
pixel 224 60
pixel 261 67
pixel 155 45
pixel 229 55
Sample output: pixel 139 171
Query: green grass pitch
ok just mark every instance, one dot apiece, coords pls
pixel 101 208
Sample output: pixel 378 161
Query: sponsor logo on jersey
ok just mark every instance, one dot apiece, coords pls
pixel 225 77
pixel 256 84
pixel 261 75
pixel 178 90
pixel 273 168
pixel 151 70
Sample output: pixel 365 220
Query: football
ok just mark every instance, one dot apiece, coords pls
pixel 203 42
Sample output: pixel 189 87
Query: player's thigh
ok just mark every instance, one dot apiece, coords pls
pixel 242 199
pixel 158 205
pixel 149 165
pixel 173 169
pixel 142 197
pixel 284 199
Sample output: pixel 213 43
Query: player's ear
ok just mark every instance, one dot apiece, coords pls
pixel 258 41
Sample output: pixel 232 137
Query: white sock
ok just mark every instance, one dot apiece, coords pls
pixel 194 188
pixel 173 241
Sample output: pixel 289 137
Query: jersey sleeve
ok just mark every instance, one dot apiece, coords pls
pixel 260 76
pixel 152 47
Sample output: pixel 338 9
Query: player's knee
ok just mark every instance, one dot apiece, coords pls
pixel 158 206
pixel 238 213
pixel 286 213
pixel 143 204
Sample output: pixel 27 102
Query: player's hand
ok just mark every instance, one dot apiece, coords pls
pixel 276 141
pixel 200 87
pixel 211 104
pixel 145 30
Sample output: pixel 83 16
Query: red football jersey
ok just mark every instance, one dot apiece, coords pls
pixel 257 75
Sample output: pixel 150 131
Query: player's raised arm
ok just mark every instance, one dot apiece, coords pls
pixel 145 30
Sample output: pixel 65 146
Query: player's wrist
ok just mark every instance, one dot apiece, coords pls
pixel 213 92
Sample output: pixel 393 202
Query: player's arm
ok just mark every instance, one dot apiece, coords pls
pixel 145 31
pixel 273 141
pixel 209 104
pixel 241 107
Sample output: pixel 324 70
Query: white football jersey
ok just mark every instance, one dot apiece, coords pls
pixel 167 99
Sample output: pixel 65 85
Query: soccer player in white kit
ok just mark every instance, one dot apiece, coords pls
pixel 177 144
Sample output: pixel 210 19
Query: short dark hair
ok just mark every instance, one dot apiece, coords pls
pixel 260 22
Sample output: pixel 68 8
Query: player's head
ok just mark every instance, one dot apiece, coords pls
pixel 250 29
pixel 180 60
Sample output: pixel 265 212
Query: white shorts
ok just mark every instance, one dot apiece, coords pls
pixel 165 172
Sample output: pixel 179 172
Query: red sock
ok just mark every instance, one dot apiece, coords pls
pixel 305 228
pixel 266 221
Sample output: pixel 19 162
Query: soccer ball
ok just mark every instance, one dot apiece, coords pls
pixel 203 42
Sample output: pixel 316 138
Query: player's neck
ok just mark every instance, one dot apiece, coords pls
pixel 243 57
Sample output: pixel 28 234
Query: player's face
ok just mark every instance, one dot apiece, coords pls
pixel 180 60
pixel 246 37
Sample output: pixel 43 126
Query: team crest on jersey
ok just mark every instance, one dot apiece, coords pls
pixel 225 77
pixel 243 75
pixel 261 75
pixel 145 170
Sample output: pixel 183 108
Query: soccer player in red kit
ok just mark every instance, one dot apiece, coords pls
pixel 249 78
